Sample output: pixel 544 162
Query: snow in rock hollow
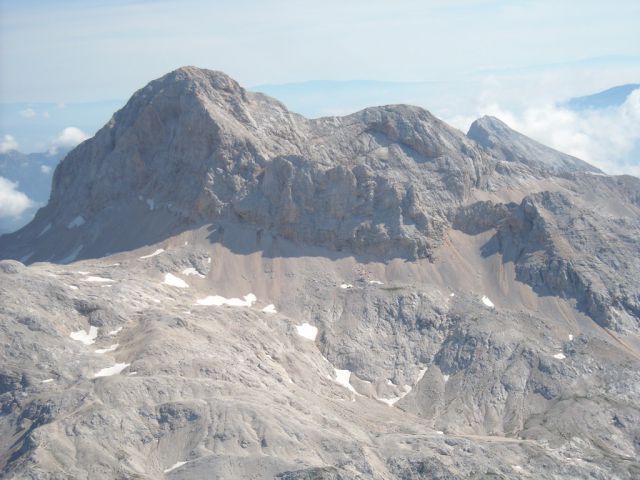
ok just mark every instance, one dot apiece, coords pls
pixel 307 331
pixel 45 230
pixel 98 279
pixel 116 331
pixel 271 308
pixel 218 301
pixel 157 252
pixel 343 377
pixel 174 466
pixel 87 338
pixel 174 281
pixel 192 271
pixel 487 301
pixel 72 256
pixel 107 372
pixel 76 222
pixel 112 348
pixel 345 286
pixel 559 356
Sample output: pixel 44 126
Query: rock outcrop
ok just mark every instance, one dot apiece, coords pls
pixel 221 288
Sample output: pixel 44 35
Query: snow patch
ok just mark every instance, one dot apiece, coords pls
pixel 157 252
pixel 439 432
pixel 76 222
pixel 72 256
pixel 445 378
pixel 45 230
pixel 72 287
pixel 559 356
pixel 375 282
pixel 151 203
pixel 174 281
pixel 271 308
pixel 26 257
pixel 87 338
pixel 218 301
pixel 345 286
pixel 132 373
pixel 109 349
pixel 392 401
pixel 342 378
pixel 96 279
pixel 421 374
pixel 307 331
pixel 48 380
pixel 570 337
pixel 192 271
pixel 452 294
pixel 174 466
pixel 487 301
pixel 107 372
pixel 116 331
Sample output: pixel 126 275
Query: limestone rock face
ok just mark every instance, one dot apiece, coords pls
pixel 221 288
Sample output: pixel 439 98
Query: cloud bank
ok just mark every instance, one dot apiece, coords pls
pixel 68 138
pixel 607 138
pixel 12 201
pixel 8 143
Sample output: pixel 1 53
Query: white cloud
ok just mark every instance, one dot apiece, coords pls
pixel 28 113
pixel 8 143
pixel 45 169
pixel 68 138
pixel 12 201
pixel 607 138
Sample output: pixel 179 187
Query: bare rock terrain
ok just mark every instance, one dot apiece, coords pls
pixel 221 288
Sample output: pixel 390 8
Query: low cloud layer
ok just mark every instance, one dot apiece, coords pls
pixel 608 138
pixel 8 143
pixel 68 138
pixel 12 202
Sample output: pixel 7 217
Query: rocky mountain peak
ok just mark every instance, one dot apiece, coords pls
pixel 220 288
pixel 512 146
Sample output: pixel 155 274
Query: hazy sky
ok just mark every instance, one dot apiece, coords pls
pixel 83 50
pixel 70 63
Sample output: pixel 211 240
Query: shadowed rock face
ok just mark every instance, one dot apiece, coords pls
pixel 221 288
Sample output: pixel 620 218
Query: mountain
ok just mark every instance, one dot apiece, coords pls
pixel 32 173
pixel 611 97
pixel 220 288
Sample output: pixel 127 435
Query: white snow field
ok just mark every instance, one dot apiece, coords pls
pixel 307 331
pixel 172 280
pixel 107 372
pixel 219 301
pixel 157 252
pixel 87 338
pixel 487 301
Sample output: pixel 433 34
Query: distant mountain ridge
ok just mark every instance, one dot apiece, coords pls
pixel 611 97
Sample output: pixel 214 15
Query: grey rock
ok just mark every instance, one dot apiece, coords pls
pixel 476 303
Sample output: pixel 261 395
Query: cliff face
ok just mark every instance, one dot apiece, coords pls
pixel 195 147
pixel 220 287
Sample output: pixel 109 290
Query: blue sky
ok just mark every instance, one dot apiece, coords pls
pixel 70 63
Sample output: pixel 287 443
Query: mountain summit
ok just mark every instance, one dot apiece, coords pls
pixel 221 288
pixel 194 147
